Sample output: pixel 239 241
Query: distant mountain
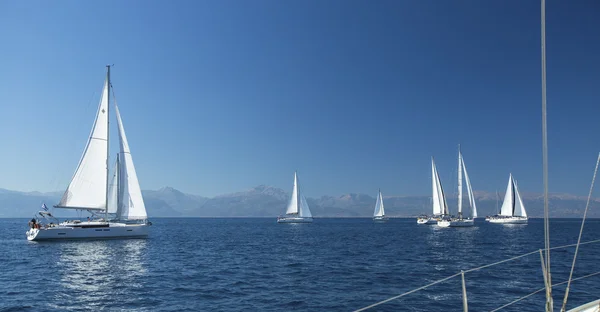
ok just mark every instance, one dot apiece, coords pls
pixel 267 201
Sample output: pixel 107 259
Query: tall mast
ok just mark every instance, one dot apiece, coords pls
pixel 107 137
pixel 459 183
pixel 549 303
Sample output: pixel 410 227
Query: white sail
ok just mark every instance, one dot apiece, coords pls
pixel 469 190
pixel 435 195
pixel 440 206
pixel 379 212
pixel 293 205
pixel 460 194
pixel 88 185
pixel 304 210
pixel 508 203
pixel 519 208
pixel 131 201
pixel 113 190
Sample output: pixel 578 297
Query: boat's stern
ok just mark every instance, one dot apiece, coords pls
pixel 32 234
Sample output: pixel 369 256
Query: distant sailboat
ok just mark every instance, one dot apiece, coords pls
pixel 513 210
pixel 379 213
pixel 440 206
pixel 297 210
pixel 89 190
pixel 461 221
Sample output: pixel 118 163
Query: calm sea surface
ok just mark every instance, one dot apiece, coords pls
pixel 259 265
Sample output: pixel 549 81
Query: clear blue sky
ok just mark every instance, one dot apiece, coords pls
pixel 220 96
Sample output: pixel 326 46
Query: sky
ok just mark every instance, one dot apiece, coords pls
pixel 221 96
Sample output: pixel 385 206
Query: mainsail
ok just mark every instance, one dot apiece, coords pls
pixel 379 212
pixel 293 205
pixel 88 186
pixel 509 199
pixel 130 201
pixel 440 207
pixel 472 204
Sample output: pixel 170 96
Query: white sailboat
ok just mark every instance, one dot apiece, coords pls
pixel 117 209
pixel 379 213
pixel 461 221
pixel 297 210
pixel 513 210
pixel 440 206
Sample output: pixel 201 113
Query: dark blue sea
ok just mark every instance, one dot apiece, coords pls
pixel 259 265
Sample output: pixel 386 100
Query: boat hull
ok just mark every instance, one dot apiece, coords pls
pixel 427 221
pixel 119 230
pixel 509 220
pixel 456 223
pixel 381 219
pixel 294 220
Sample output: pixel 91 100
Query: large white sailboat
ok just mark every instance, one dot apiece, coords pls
pixel 117 209
pixel 461 220
pixel 297 210
pixel 513 210
pixel 379 213
pixel 440 206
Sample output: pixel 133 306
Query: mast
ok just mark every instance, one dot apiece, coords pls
pixel 459 183
pixel 549 303
pixel 107 139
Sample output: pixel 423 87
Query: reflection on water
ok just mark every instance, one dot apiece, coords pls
pixel 93 273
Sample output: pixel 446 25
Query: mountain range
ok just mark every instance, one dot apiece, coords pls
pixel 267 201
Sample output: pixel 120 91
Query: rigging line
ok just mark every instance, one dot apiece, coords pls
pixel 542 289
pixel 479 268
pixel 587 205
pixel 406 293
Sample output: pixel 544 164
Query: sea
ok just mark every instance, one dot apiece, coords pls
pixel 255 264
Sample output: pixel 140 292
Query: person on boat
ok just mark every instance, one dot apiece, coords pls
pixel 88 219
pixel 32 223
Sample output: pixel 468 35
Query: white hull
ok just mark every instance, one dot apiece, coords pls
pixel 113 230
pixel 593 306
pixel 456 223
pixel 294 220
pixel 429 221
pixel 509 220
pixel 380 219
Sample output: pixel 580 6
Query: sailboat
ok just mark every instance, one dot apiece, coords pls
pixel 513 210
pixel 117 209
pixel 440 206
pixel 297 210
pixel 461 221
pixel 379 213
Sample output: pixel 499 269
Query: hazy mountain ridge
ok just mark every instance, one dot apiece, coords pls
pixel 267 201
